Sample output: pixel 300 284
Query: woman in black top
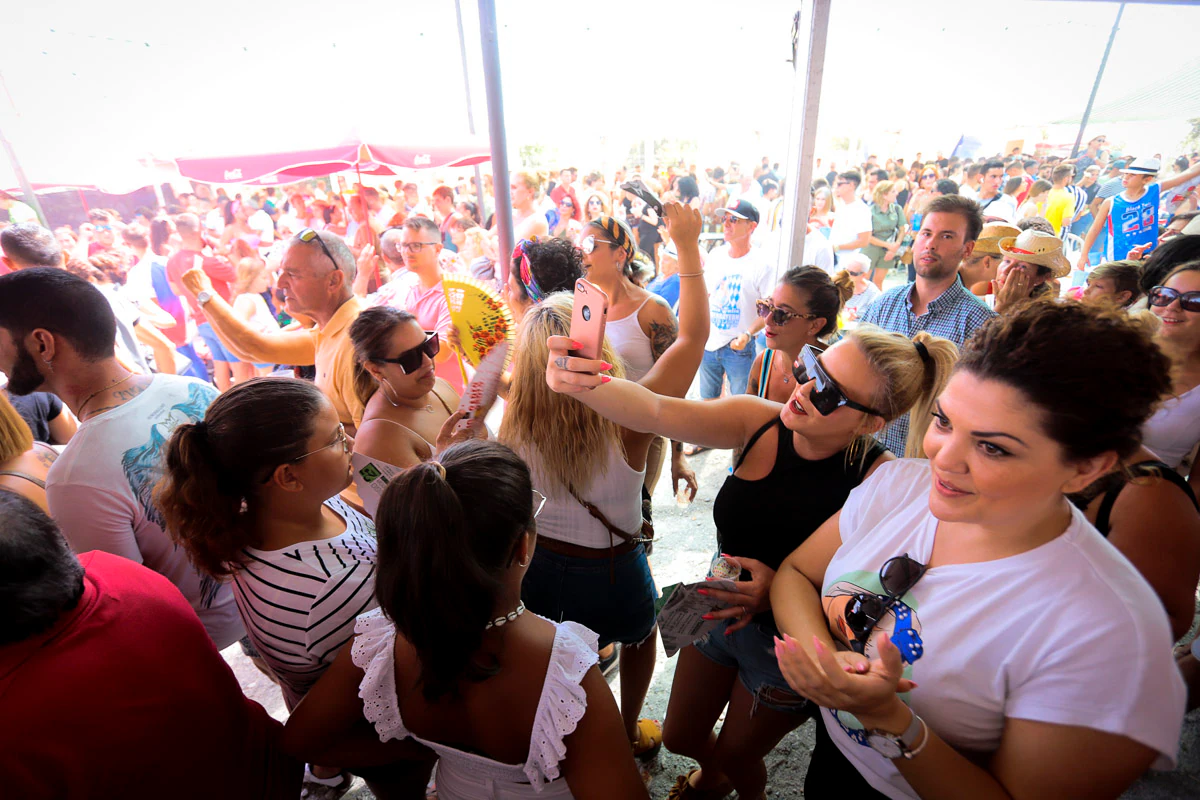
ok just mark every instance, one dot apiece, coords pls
pixel 799 462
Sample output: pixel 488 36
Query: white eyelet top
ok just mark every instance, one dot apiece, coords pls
pixel 469 776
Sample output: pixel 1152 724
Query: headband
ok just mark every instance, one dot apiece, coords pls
pixel 617 232
pixel 525 270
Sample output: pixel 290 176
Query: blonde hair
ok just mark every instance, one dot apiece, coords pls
pixel 15 437
pixel 534 181
pixel 908 382
pixel 473 240
pixel 248 270
pixel 570 439
pixel 881 189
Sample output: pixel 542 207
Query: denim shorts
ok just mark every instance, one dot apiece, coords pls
pixel 583 590
pixel 751 651
pixel 215 346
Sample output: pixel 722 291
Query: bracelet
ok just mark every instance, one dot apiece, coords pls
pixel 690 274
pixel 916 751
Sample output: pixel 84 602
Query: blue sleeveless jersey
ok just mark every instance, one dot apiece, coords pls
pixel 1133 223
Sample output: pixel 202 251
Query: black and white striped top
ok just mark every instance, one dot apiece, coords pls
pixel 299 604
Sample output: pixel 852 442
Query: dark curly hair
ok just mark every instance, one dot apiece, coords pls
pixel 556 265
pixel 1089 405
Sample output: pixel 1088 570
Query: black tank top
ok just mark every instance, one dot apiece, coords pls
pixel 768 518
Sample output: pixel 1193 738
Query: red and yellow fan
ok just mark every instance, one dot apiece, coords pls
pixel 481 317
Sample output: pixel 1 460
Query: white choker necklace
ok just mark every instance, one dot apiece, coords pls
pixel 507 618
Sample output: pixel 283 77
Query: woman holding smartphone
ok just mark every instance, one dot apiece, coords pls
pixel 971 575
pixel 799 462
pixel 590 565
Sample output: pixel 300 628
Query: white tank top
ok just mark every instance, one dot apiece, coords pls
pixel 1175 428
pixel 632 344
pixel 617 492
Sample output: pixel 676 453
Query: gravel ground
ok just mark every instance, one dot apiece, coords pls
pixel 686 539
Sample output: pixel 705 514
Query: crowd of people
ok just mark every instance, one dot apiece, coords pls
pixel 964 432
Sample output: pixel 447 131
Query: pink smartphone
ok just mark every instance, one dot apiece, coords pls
pixel 588 319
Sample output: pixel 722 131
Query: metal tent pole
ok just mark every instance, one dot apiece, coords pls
pixel 26 186
pixel 462 49
pixel 489 38
pixel 1087 112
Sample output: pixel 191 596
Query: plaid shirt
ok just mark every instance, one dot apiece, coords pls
pixel 954 315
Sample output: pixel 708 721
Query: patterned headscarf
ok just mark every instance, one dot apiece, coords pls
pixel 525 271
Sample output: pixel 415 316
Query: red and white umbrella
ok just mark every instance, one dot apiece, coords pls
pixel 370 158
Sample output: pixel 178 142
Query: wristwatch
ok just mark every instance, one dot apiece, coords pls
pixel 889 745
pixel 203 297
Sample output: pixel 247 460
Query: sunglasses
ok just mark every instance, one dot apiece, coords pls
pixel 780 316
pixel 341 439
pixel 729 219
pixel 827 397
pixel 411 359
pixel 897 576
pixel 856 274
pixel 567 204
pixel 1161 296
pixel 308 235
pixel 588 243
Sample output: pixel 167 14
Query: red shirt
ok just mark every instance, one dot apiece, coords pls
pixel 219 271
pixel 127 697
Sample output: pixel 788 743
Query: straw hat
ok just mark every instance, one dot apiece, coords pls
pixel 988 242
pixel 1036 247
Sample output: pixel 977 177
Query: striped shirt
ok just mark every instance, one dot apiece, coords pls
pixel 954 315
pixel 299 604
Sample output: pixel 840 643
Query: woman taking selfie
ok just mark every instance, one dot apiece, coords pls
pixel 803 310
pixel 590 565
pixel 971 575
pixel 512 703
pixel 799 462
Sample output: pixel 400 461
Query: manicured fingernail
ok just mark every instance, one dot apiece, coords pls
pixel 724 555
pixel 576 345
pixel 706 616
pixel 820 648
pixel 710 578
pixel 605 379
pixel 702 591
pixel 605 365
pixel 861 668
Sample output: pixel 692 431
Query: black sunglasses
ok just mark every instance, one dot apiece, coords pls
pixel 308 235
pixel 411 359
pixel 780 316
pixel 1164 295
pixel 897 576
pixel 827 397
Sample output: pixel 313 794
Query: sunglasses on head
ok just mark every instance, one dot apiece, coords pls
pixel 897 576
pixel 308 235
pixel 780 316
pixel 411 359
pixel 827 397
pixel 1161 296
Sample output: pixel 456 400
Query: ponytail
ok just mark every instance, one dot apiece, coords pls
pixel 447 531
pixel 215 468
pixel 912 374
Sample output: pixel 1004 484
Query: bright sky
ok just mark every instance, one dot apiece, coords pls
pixel 97 84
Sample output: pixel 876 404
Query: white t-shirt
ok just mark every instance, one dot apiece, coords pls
pixel 261 223
pixel 734 285
pixel 100 492
pixel 1067 633
pixel 1004 207
pixel 1175 428
pixel 860 301
pixel 818 252
pixel 849 222
pixel 967 191
pixel 299 604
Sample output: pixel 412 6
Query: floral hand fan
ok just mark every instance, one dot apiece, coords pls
pixel 481 317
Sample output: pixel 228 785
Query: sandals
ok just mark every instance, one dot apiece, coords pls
pixel 650 737
pixel 683 790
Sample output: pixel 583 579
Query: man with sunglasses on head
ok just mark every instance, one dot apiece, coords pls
pixel 316 282
pixel 936 301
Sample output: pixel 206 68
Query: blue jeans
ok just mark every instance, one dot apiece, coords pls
pixel 615 599
pixel 215 346
pixel 722 362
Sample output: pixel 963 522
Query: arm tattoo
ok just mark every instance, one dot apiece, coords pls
pixel 662 336
pixel 561 362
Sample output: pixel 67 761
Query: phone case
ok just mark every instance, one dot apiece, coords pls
pixel 588 319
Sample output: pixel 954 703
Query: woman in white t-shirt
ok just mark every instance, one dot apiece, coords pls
pixel 252 495
pixel 966 631
pixel 512 703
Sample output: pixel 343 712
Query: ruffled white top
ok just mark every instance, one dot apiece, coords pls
pixel 470 776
